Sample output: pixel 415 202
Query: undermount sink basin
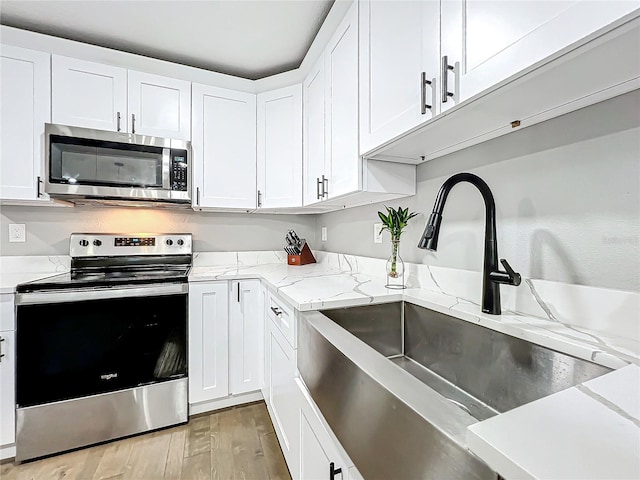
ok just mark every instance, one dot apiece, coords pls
pixel 480 370
pixel 401 402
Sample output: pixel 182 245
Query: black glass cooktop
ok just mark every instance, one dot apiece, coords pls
pixel 107 278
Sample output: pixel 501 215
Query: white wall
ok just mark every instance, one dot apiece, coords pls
pixel 48 228
pixel 567 199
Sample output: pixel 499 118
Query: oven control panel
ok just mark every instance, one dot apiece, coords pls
pixel 102 244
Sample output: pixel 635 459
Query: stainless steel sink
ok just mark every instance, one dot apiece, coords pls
pixel 480 370
pixel 402 409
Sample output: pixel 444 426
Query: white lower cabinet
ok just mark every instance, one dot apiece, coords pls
pixel 7 375
pixel 246 323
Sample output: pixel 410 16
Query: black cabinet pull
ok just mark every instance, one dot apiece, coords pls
pixel 238 292
pixel 333 471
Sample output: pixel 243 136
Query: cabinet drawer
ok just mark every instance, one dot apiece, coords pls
pixel 283 316
pixel 7 313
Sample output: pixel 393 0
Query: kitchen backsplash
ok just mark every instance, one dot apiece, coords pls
pixel 48 228
pixel 567 202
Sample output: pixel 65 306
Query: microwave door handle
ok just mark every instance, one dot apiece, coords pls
pixel 166 168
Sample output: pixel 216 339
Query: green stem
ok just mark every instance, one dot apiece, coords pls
pixel 394 257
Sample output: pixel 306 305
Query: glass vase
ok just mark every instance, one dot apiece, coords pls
pixel 395 267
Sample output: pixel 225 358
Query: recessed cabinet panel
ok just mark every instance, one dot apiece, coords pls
pixel 280 147
pixel 159 106
pixel 88 94
pixel 314 462
pixel 7 388
pixel 24 106
pixel 341 87
pixel 488 41
pixel 398 41
pixel 315 165
pixel 208 341
pixel 246 323
pixel 224 148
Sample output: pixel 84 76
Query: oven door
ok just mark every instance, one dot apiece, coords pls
pixel 73 344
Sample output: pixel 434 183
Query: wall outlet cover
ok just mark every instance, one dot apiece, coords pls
pixel 377 234
pixel 324 234
pixel 17 232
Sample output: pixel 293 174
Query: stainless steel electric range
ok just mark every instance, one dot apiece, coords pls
pixel 101 350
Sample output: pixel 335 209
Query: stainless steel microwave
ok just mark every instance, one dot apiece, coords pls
pixel 87 166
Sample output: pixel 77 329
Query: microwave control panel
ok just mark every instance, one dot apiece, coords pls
pixel 179 170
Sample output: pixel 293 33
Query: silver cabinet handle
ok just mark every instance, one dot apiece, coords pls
pixel 133 123
pixel 118 120
pixel 259 199
pixel 1 354
pixel 445 74
pixel 276 311
pixel 423 93
pixel 325 187
pixel 198 196
pixel 38 182
pixel 318 184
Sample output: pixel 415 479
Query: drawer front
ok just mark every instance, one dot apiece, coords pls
pixel 7 313
pixel 283 316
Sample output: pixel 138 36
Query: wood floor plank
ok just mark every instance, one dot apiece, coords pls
pixel 248 457
pixel 275 462
pixel 198 439
pixel 197 467
pixel 148 457
pixel 68 466
pixel 173 468
pixel 221 453
pixel 114 459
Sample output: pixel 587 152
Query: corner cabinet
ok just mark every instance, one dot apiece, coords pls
pixel 279 149
pixel 224 148
pixel 25 106
pixel 208 341
pixel 105 97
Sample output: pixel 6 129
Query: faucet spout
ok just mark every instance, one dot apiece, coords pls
pixel 492 276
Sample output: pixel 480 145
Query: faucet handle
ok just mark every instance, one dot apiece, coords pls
pixel 515 277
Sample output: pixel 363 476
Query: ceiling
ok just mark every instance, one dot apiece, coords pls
pixel 246 38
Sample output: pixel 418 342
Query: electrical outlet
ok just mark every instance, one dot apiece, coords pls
pixel 377 234
pixel 324 234
pixel 17 232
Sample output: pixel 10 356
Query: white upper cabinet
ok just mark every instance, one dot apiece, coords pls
pixel 341 108
pixel 103 97
pixel 315 166
pixel 208 341
pixel 25 108
pixel 399 41
pixel 246 340
pixel 159 106
pixel 88 94
pixel 488 41
pixel 224 148
pixel 280 148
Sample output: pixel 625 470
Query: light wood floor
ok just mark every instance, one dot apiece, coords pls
pixel 238 443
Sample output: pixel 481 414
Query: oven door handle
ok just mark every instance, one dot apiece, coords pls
pixel 81 295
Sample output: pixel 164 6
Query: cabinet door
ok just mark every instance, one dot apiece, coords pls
pixel 208 341
pixel 159 106
pixel 224 148
pixel 313 133
pixel 265 346
pixel 246 321
pixel 88 94
pixel 24 106
pixel 398 41
pixel 284 398
pixel 7 388
pixel 488 41
pixel 341 97
pixel 280 147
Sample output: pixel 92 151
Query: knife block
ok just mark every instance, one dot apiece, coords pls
pixel 304 258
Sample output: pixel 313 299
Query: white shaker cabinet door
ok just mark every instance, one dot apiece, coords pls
pixel 159 106
pixel 224 148
pixel 246 324
pixel 315 167
pixel 341 107
pixel 487 41
pixel 208 341
pixel 399 40
pixel 88 94
pixel 7 388
pixel 24 109
pixel 280 147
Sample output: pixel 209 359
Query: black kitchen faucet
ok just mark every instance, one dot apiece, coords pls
pixel 492 277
